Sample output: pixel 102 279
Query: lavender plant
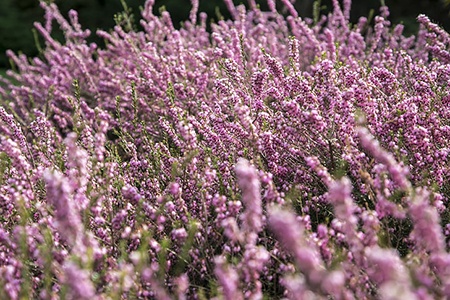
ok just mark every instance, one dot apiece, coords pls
pixel 270 157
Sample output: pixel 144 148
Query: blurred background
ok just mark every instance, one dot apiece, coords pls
pixel 17 16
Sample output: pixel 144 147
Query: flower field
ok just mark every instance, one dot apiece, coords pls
pixel 262 157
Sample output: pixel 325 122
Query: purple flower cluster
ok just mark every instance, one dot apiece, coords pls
pixel 267 156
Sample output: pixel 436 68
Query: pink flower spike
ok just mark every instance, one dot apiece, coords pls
pixel 194 10
pixel 228 279
pixel 398 172
pixel 290 8
pixel 251 196
pixel 79 283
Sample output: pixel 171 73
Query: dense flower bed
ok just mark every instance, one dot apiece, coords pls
pixel 271 156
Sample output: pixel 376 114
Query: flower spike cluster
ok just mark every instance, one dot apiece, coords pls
pixel 263 156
